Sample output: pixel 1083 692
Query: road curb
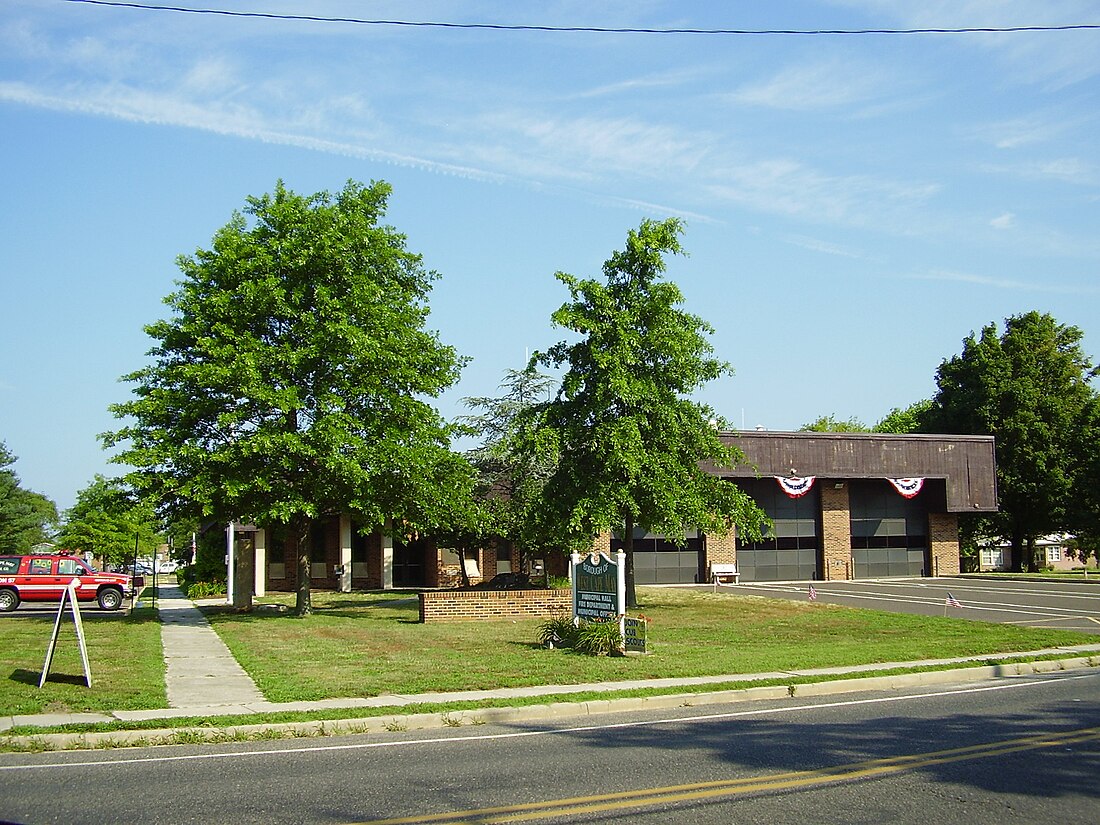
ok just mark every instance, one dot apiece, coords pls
pixel 528 713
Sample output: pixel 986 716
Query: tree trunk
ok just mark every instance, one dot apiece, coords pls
pixel 463 576
pixel 1016 551
pixel 303 604
pixel 1032 563
pixel 628 550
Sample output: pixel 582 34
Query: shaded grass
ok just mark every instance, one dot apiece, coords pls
pixel 124 654
pixel 359 645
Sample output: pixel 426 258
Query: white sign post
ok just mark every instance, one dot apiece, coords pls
pixel 68 596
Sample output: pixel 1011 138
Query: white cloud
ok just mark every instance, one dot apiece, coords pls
pixel 1041 284
pixel 1004 221
pixel 818 245
pixel 789 188
pixel 821 86
pixel 1050 60
pixel 1065 170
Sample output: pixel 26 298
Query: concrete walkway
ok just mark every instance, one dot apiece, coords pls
pixel 203 679
pixel 200 671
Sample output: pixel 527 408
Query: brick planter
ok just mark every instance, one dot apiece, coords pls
pixel 470 605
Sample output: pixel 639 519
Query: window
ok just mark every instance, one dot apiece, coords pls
pixel 40 567
pixel 9 566
pixel 70 567
pixel 1054 554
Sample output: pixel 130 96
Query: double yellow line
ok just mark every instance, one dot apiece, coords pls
pixel 732 787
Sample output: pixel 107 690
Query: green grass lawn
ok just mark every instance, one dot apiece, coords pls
pixel 362 644
pixel 124 655
pixel 365 644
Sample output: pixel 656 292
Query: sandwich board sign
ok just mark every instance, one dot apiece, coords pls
pixel 68 595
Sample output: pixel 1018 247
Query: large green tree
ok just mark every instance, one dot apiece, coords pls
pixel 1029 387
pixel 630 440
pixel 26 518
pixel 293 379
pixel 109 521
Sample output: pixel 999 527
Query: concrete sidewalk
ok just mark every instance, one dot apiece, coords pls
pixel 203 679
pixel 199 669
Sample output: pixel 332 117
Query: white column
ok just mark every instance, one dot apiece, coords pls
pixel 260 587
pixel 230 561
pixel 387 561
pixel 344 585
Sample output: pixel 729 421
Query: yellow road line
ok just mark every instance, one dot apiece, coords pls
pixel 732 787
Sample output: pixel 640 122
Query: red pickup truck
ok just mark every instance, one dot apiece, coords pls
pixel 43 578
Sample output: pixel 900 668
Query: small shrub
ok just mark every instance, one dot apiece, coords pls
pixel 558 582
pixel 599 639
pixel 205 590
pixel 557 632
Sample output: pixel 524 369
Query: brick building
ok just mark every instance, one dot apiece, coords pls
pixel 843 505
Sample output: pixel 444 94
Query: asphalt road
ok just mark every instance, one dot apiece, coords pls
pixel 1023 749
pixel 1055 604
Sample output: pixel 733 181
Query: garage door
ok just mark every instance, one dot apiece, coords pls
pixel 666 567
pixel 765 565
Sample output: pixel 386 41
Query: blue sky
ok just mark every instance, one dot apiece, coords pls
pixel 855 205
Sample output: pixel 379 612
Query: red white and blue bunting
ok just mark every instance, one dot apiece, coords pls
pixel 908 487
pixel 795 487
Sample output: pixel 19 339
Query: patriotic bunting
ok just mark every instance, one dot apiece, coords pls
pixel 813 593
pixel 908 487
pixel 795 487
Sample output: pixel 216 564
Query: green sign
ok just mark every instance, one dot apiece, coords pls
pixel 598 591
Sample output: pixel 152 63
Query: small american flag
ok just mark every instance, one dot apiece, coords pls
pixel 952 601
pixel 813 594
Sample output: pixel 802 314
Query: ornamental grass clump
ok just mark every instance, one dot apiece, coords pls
pixel 593 638
pixel 557 632
pixel 599 639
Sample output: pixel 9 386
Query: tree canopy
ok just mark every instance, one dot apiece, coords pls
pixel 108 521
pixel 26 518
pixel 292 379
pixel 1029 387
pixel 628 436
pixel 512 479
pixel 831 424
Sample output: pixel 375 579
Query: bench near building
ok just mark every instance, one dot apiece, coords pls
pixel 844 505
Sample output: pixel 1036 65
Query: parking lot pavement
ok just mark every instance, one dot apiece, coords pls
pixel 1055 604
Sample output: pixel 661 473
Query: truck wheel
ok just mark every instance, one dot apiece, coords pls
pixel 9 600
pixel 110 598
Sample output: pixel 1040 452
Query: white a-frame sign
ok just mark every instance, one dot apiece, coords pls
pixel 68 596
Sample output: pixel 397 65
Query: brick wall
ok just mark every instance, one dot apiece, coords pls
pixel 722 549
pixel 836 531
pixel 943 535
pixel 470 605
